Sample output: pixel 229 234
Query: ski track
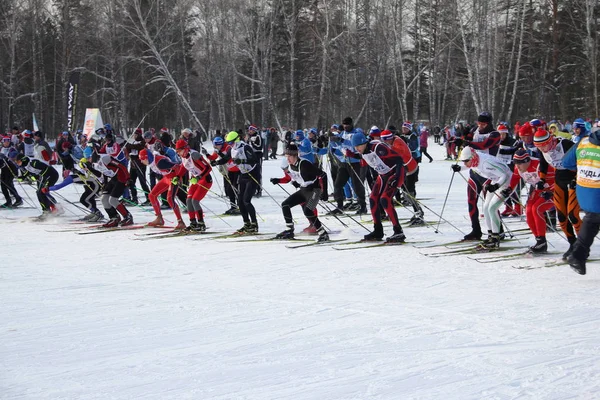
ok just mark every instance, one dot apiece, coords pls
pixel 108 317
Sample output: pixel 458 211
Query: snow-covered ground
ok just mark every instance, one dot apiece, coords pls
pixel 108 317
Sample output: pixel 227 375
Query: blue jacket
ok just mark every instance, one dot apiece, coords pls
pixel 589 198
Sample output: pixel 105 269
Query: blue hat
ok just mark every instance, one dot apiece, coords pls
pixel 65 133
pixel 579 123
pixel 299 134
pixel 12 153
pixel 108 127
pixel 358 139
pixel 218 141
pixel 313 130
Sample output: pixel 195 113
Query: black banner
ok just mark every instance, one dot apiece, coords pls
pixel 72 87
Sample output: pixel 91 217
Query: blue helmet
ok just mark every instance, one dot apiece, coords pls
pixel 218 141
pixel 358 139
pixel 579 123
pixel 299 134
pixel 12 153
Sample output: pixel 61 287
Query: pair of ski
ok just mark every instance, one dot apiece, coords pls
pixel 470 249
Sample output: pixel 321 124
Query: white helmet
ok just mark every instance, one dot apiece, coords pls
pixel 466 154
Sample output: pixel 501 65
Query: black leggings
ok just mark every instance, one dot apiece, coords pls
pixel 45 181
pixel 137 171
pixel 349 171
pixel 246 189
pixel 309 198
pixel 9 171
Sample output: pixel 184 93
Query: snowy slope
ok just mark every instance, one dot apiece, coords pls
pixel 108 317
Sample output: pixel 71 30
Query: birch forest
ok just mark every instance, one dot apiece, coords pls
pixel 220 64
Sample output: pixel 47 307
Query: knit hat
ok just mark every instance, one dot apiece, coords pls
pixel 252 128
pixel 502 129
pixel 386 135
pixel 347 121
pixel 291 150
pixel 147 135
pixel 526 130
pixel 541 137
pixel 407 125
pixel 485 117
pixel 521 156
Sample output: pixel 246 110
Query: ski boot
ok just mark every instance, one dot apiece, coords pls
pixel 540 246
pixel 180 226
pixel 95 216
pixel 287 234
pixel 323 235
pixel 576 264
pixel 252 227
pixel 491 243
pixel 572 241
pixel 128 220
pixel 376 235
pixel 243 229
pixel 112 223
pixel 473 235
pixel 397 237
pixel 18 202
pixel 310 230
pixel 158 221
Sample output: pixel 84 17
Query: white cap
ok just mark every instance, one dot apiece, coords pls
pixel 466 154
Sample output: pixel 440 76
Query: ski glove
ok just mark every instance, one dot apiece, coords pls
pixel 204 151
pixel 547 195
pixel 175 181
pixel 44 190
pixel 213 163
pixel 492 187
pixel 193 180
pixel 506 193
pixel 573 184
pixel 275 181
pixel 540 185
pixel 456 167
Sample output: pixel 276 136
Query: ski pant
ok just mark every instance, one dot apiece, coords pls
pixel 382 199
pixel 567 206
pixel 7 175
pixel 230 183
pixel 273 150
pixel 110 198
pixel 308 198
pixel 425 153
pixel 162 186
pixel 137 171
pixel 589 229
pixel 536 210
pixel 49 178
pixel 491 204
pixel 474 188
pixel 195 194
pixel 259 167
pixel 247 186
pixel 349 171
pixel 90 191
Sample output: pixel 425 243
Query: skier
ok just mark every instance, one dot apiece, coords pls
pixel 485 140
pixel 305 176
pixel 507 147
pixel 45 176
pixel 539 201
pixel 8 172
pixel 41 148
pixel 228 169
pixel 117 176
pixel 496 176
pixel 400 147
pixel 200 182
pixel 586 158
pixel 170 173
pixel 137 169
pixel 244 157
pixel 553 150
pixel 391 167
pixel 255 141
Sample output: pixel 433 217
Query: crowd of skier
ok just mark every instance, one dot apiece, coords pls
pixel 560 169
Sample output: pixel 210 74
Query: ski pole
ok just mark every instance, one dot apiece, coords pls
pixel 445 201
